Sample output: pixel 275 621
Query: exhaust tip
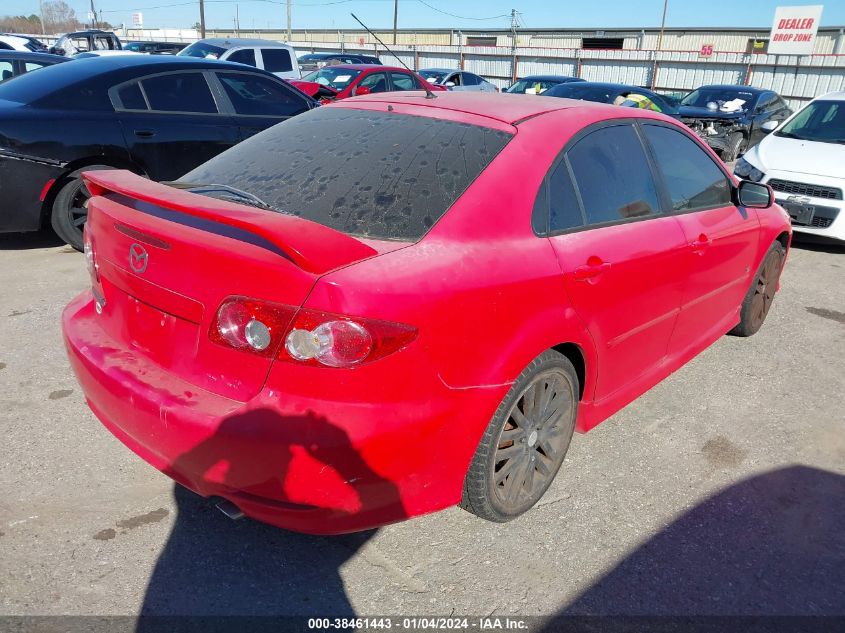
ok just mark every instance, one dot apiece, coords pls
pixel 229 509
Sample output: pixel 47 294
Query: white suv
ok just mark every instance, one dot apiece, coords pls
pixel 276 57
pixel 804 162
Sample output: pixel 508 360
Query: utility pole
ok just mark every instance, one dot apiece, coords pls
pixel 514 24
pixel 395 18
pixel 93 16
pixel 237 22
pixel 41 17
pixel 662 25
pixel 202 19
pixel 289 35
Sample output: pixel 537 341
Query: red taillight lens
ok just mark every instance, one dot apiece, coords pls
pixel 333 340
pixel 305 336
pixel 251 325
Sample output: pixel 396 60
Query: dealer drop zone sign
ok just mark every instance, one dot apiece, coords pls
pixel 794 30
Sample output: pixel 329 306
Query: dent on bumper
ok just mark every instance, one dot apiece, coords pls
pixel 301 465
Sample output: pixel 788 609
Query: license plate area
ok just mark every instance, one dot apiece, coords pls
pixel 800 213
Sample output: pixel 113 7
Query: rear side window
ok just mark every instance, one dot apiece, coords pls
pixel 131 97
pixel 471 80
pixel 255 95
pixel 692 179
pixel 403 81
pixel 612 175
pixel 179 92
pixel 277 60
pixel 564 210
pixel 385 175
pixel 243 56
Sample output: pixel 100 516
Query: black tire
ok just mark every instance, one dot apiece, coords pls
pixel 70 207
pixel 755 307
pixel 736 146
pixel 519 454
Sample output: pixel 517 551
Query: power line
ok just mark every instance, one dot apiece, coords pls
pixel 462 17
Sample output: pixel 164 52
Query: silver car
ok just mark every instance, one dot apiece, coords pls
pixel 457 79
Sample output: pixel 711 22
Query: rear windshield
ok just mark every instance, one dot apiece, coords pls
pixel 203 50
pixel 365 173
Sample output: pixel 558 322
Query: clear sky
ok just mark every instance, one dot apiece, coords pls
pixel 598 14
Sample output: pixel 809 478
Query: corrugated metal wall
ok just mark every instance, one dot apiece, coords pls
pixel 797 79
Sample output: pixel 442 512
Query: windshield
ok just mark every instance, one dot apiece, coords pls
pixel 366 183
pixel 337 78
pixel 576 90
pixel 433 76
pixel 532 86
pixel 202 50
pixel 822 121
pixel 724 99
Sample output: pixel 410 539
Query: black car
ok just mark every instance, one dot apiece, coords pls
pixel 617 94
pixel 538 84
pixel 14 63
pixel 81 41
pixel 156 115
pixel 314 61
pixel 154 48
pixel 732 119
pixel 32 43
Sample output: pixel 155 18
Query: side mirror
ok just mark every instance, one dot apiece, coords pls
pixel 449 84
pixel 362 90
pixel 754 195
pixel 770 126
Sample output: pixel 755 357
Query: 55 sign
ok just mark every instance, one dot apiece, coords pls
pixel 706 50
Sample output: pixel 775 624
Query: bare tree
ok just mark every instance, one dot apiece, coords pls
pixel 59 17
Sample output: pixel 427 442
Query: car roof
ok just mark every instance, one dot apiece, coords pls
pixel 503 107
pixel 33 56
pixel 232 42
pixel 751 89
pixel 363 67
pixel 441 70
pixel 328 55
pixel 832 96
pixel 547 77
pixel 607 84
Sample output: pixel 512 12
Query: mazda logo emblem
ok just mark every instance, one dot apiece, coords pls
pixel 138 258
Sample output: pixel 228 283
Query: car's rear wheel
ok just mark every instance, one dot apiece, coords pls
pixel 70 207
pixel 526 441
pixel 758 301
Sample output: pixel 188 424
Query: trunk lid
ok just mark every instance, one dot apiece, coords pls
pixel 168 258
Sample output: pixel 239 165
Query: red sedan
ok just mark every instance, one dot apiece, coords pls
pixel 331 337
pixel 340 81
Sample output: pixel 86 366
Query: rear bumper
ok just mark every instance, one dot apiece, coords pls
pixel 300 463
pixel 22 181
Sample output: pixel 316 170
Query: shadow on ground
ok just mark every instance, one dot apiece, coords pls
pixel 214 566
pixel 26 241
pixel 808 242
pixel 771 545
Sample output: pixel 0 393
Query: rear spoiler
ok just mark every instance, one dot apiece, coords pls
pixel 312 247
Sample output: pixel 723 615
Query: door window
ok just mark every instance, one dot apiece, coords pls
pixel 377 82
pixel 455 79
pixel 254 95
pixel 564 210
pixel 7 71
pixel 179 92
pixel 403 81
pixel 277 60
pixel 471 80
pixel 692 179
pixel 28 66
pixel 131 97
pixel 243 56
pixel 612 175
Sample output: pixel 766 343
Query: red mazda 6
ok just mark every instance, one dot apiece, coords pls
pixel 334 335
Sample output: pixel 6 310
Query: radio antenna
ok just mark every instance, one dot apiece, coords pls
pixel 428 92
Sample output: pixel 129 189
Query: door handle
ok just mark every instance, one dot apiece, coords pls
pixel 145 133
pixel 590 271
pixel 698 245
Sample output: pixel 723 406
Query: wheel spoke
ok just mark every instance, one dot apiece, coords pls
pixel 508 452
pixel 506 469
pixel 529 401
pixel 528 484
pixel 512 435
pixel 546 398
pixel 543 467
pixel 515 479
pixel 518 417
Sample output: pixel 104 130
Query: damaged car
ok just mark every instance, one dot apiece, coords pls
pixel 732 119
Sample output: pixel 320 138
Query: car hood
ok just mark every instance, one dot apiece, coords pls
pixel 806 157
pixel 691 112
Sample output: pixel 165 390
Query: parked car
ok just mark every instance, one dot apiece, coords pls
pixel 804 162
pixel 14 63
pixel 23 43
pixel 314 61
pixel 614 94
pixel 458 80
pixel 731 119
pixel 70 44
pixel 156 115
pixel 275 57
pixel 340 81
pixel 154 48
pixel 331 336
pixel 538 84
pixel 107 53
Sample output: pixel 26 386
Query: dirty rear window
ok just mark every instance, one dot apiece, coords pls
pixel 371 174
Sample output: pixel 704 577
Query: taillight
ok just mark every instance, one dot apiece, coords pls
pixel 311 337
pixel 93 271
pixel 251 325
pixel 336 340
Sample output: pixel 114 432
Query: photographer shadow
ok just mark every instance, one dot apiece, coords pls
pixel 212 566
